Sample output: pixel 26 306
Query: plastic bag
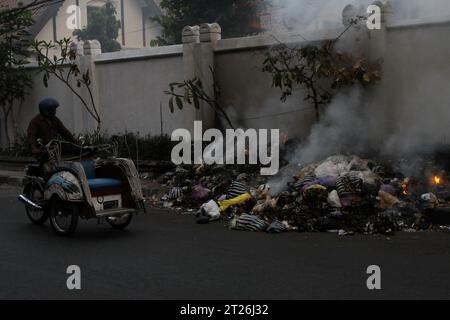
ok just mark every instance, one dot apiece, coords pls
pixel 224 205
pixel 211 208
pixel 333 199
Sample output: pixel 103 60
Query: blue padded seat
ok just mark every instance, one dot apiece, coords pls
pixel 98 184
pixel 89 169
pixel 101 184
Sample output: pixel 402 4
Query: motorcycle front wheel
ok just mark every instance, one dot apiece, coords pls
pixel 63 216
pixel 35 193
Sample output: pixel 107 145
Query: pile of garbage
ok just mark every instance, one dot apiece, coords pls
pixel 342 194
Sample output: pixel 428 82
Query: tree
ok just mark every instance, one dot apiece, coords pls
pixel 236 17
pixel 57 66
pixel 320 70
pixel 102 26
pixel 191 92
pixel 15 80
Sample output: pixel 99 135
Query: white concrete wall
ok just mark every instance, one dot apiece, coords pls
pixel 70 111
pixel 131 84
pixel 247 92
pixel 130 88
pixel 417 75
pixel 145 74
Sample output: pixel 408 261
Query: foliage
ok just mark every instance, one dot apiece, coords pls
pixel 192 92
pixel 320 70
pixel 133 146
pixel 20 148
pixel 237 17
pixel 15 80
pixel 149 147
pixel 102 26
pixel 64 68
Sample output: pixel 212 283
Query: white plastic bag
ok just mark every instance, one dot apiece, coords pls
pixel 212 209
pixel 333 167
pixel 333 199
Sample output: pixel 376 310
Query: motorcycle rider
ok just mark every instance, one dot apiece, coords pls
pixel 47 126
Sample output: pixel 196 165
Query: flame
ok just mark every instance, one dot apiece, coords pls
pixel 437 180
pixel 405 187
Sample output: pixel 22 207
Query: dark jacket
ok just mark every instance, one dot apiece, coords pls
pixel 47 130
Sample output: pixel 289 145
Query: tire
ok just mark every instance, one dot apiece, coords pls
pixel 120 223
pixel 63 217
pixel 34 192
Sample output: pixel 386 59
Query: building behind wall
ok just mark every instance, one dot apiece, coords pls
pixel 56 20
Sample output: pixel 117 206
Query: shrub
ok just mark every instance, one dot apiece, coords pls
pixel 149 147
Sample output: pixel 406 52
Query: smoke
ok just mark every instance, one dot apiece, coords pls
pixel 401 125
pixel 357 123
pixel 421 122
pixel 347 126
pixel 299 15
pixel 335 133
pixel 302 15
pixel 362 122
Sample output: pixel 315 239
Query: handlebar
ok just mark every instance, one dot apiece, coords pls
pixel 81 151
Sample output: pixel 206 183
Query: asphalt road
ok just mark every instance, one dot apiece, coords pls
pixel 167 256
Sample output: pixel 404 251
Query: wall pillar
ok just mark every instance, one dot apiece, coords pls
pixel 378 52
pixel 83 120
pixel 198 61
pixel 209 35
pixel 76 107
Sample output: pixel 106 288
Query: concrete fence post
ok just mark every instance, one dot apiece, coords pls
pixel 377 51
pixel 191 35
pixel 92 47
pixel 191 39
pixel 78 47
pixel 198 61
pixel 378 37
pixel 84 121
pixel 210 34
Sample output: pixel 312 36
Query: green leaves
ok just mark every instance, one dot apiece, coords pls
pixel 103 26
pixel 45 80
pixel 15 42
pixel 191 93
pixel 63 67
pixel 196 103
pixel 179 103
pixel 313 67
pixel 171 108
pixel 237 17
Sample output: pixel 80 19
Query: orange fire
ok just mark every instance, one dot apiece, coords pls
pixel 437 180
pixel 405 187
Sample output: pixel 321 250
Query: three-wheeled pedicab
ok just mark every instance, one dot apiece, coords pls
pixel 92 183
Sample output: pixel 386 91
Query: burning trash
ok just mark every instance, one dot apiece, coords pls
pixel 342 194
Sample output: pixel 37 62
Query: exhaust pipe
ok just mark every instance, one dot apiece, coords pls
pixel 28 202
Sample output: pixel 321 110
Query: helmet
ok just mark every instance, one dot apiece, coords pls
pixel 47 107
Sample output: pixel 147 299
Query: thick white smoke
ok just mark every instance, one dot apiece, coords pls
pixel 301 15
pixel 335 133
pixel 356 122
pixel 359 121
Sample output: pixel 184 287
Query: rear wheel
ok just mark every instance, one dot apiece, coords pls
pixel 63 216
pixel 34 192
pixel 120 222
